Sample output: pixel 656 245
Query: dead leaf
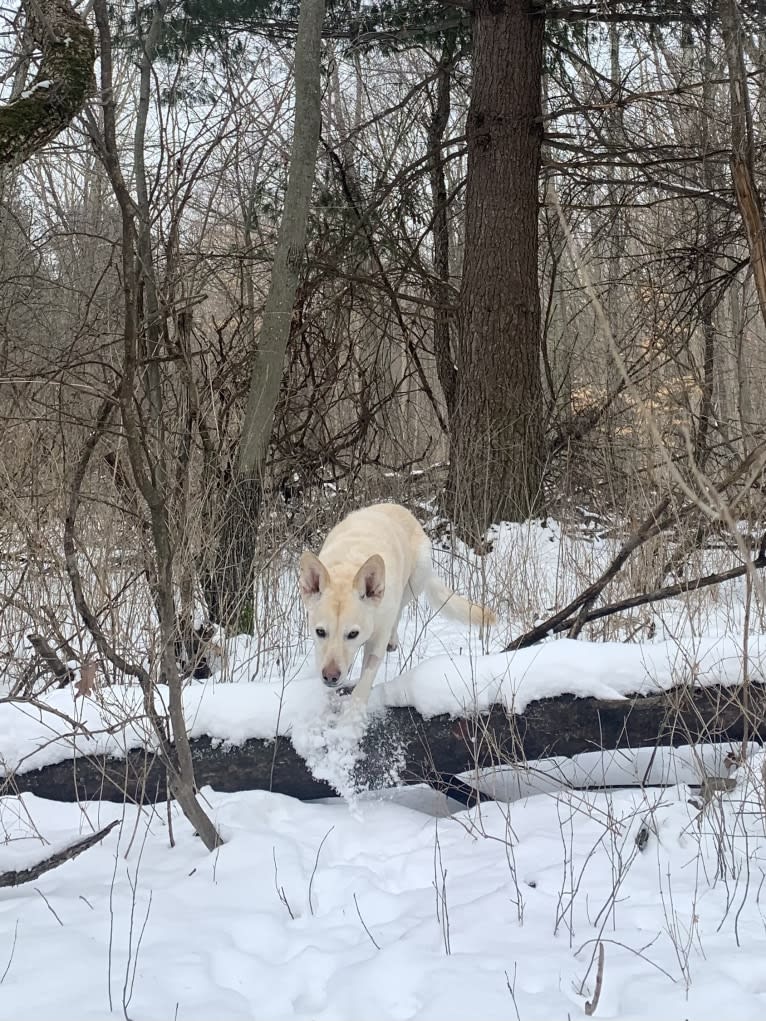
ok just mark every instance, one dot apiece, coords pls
pixel 87 681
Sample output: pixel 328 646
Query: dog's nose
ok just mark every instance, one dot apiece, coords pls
pixel 331 676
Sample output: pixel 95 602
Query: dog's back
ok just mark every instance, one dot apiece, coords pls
pixel 384 528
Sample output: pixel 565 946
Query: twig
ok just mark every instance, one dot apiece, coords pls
pixel 13 951
pixel 512 991
pixel 590 1005
pixel 16 878
pixel 316 863
pixel 280 889
pixel 49 906
pixel 364 925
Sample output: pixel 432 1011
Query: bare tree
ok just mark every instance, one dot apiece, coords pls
pixel 231 587
pixel 146 444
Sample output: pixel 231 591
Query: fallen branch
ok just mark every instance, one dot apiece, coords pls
pixel 669 592
pixel 16 878
pixel 577 613
pixel 51 660
pixel 658 521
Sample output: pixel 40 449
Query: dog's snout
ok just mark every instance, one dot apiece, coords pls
pixel 331 674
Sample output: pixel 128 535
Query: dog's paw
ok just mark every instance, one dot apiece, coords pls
pixel 392 647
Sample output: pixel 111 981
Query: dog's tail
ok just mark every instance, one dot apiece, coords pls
pixel 444 600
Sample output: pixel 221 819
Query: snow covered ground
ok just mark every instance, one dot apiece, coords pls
pixel 376 910
pixel 405 906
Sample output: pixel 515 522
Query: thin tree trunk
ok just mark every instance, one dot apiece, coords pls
pixel 742 157
pixel 557 349
pixel 289 256
pixel 496 429
pixel 144 461
pixel 743 343
pixel 445 359
pixel 614 245
pixel 230 589
pixel 707 301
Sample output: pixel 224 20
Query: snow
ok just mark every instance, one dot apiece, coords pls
pixel 400 904
pixel 33 88
pixel 612 670
pixel 379 911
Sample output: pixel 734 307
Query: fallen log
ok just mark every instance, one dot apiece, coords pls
pixel 402 747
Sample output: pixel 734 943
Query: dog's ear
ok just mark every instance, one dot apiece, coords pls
pixel 313 576
pixel 370 580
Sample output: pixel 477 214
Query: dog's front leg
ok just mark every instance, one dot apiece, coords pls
pixel 371 661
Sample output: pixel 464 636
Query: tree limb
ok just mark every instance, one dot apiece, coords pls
pixel 656 522
pixel 17 877
pixel 644 598
pixel 52 661
pixel 60 87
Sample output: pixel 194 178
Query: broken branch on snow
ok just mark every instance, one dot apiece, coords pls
pixel 17 877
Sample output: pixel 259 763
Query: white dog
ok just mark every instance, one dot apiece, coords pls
pixel 371 565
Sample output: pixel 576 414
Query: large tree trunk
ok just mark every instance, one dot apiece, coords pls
pixel 229 591
pixel 496 429
pixel 60 87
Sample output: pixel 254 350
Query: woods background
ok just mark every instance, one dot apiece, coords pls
pixel 501 265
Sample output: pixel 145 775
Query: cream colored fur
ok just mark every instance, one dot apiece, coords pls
pixel 371 565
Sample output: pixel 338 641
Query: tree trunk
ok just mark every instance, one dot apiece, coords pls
pixel 743 152
pixel 269 360
pixel 144 451
pixel 440 290
pixel 60 87
pixel 706 284
pixel 229 591
pixel 496 430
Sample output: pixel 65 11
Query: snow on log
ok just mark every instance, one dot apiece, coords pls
pixel 400 746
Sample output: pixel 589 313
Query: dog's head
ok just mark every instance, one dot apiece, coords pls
pixel 341 609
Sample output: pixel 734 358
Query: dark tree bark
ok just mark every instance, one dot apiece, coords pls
pixel 440 290
pixel 496 430
pixel 60 87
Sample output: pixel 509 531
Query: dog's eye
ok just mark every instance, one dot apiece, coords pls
pixel 353 634
pixel 321 633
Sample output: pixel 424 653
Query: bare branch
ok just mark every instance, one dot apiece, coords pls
pixel 17 877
